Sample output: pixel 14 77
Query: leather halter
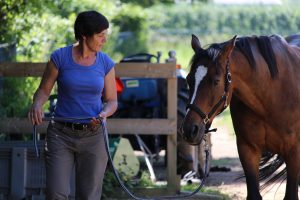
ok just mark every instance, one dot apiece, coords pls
pixel 224 97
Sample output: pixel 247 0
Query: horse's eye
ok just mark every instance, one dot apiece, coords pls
pixel 216 81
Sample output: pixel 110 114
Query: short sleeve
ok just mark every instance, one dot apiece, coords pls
pixel 56 58
pixel 108 63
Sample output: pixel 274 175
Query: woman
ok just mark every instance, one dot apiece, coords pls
pixel 83 74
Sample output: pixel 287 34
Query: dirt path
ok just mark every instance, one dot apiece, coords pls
pixel 225 154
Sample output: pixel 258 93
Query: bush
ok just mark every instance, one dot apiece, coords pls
pixel 214 19
pixel 172 27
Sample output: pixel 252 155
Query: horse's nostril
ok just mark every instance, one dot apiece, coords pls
pixel 195 130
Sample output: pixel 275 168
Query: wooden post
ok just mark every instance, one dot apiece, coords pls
pixel 173 183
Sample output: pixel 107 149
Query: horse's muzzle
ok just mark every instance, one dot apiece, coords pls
pixel 193 134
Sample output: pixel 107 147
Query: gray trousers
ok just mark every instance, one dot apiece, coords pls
pixel 66 150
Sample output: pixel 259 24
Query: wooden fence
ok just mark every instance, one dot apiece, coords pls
pixel 166 126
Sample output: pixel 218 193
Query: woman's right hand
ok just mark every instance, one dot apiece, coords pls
pixel 36 114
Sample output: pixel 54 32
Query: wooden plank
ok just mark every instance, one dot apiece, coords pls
pixel 172 98
pixel 21 69
pixel 146 70
pixel 114 126
pixel 141 70
pixel 142 126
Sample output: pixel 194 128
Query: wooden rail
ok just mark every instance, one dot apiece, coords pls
pixel 116 126
pixel 138 70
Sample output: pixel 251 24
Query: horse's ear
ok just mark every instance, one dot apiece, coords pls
pixel 227 49
pixel 195 43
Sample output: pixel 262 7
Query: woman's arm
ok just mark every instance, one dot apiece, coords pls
pixel 110 95
pixel 42 94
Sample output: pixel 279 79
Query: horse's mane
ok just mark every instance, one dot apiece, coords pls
pixel 243 44
pixel 265 48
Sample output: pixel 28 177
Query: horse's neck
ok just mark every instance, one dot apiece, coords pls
pixel 249 94
pixel 258 91
pixel 246 87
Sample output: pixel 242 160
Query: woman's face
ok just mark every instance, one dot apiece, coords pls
pixel 96 41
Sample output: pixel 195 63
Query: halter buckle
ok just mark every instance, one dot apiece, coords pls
pixel 229 77
pixel 206 120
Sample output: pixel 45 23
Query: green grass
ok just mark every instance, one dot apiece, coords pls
pixel 183 50
pixel 221 162
pixel 206 190
pixel 145 182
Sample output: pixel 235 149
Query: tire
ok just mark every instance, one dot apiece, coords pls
pixel 186 153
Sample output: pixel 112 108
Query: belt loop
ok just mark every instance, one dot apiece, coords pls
pixel 85 127
pixel 72 126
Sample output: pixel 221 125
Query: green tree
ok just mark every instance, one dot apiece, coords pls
pixel 8 10
pixel 37 28
pixel 132 23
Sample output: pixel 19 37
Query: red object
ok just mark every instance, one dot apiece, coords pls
pixel 119 85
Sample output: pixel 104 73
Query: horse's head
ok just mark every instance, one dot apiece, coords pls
pixel 209 85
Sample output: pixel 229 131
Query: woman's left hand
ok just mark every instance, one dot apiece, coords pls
pixel 103 116
pixel 96 121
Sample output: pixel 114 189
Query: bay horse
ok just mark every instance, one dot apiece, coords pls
pixel 259 77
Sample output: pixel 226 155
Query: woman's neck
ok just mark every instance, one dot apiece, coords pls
pixel 83 55
pixel 83 51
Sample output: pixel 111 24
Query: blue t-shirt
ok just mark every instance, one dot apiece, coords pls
pixel 79 87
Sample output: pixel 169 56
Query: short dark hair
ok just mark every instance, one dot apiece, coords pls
pixel 88 23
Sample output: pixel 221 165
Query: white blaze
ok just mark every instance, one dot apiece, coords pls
pixel 199 75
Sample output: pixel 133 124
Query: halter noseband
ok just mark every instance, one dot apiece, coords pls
pixel 224 97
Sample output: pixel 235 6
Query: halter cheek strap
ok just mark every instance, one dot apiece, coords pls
pixel 224 97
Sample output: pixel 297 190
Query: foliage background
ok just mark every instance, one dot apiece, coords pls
pixel 39 27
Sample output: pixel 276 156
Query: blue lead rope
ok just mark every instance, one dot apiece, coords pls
pixel 35 141
pixel 106 141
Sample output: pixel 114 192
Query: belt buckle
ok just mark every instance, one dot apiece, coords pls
pixel 73 126
pixel 84 127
